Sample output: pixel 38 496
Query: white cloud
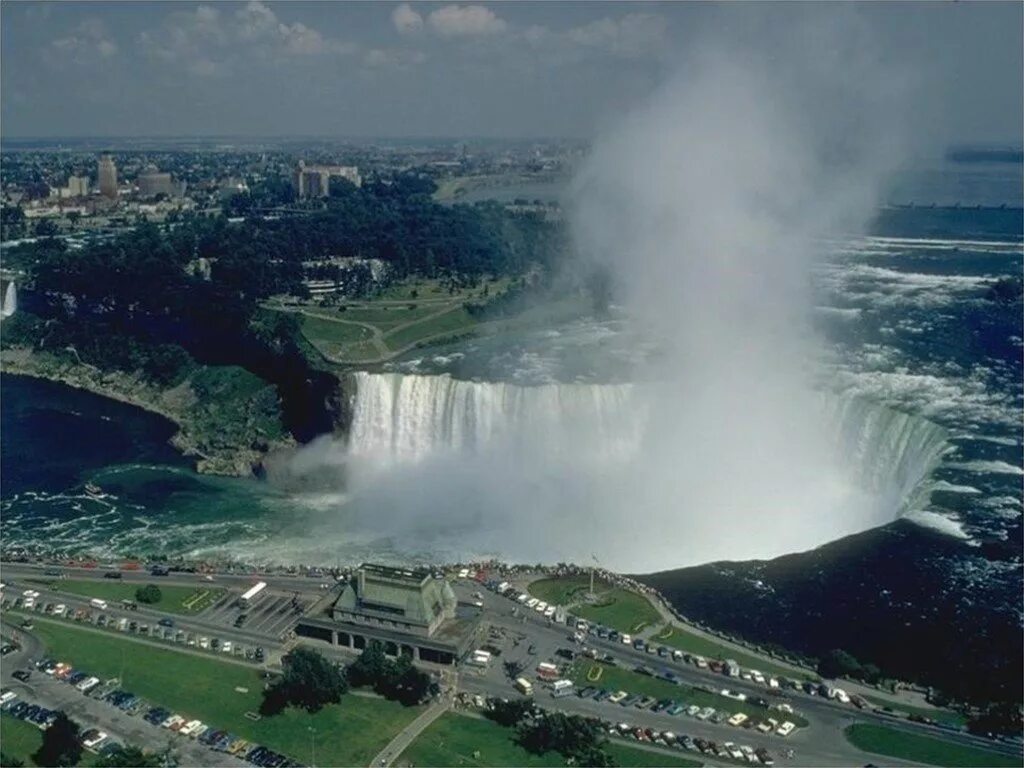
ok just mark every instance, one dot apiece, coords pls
pixel 406 20
pixel 87 40
pixel 385 58
pixel 255 20
pixel 466 21
pixel 634 35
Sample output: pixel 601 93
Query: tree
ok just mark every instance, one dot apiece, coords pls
pixel 509 713
pixel 9 761
pixel 129 757
pixel 62 744
pixel 310 681
pixel 148 594
pixel 839 663
pixel 46 228
pixel 576 738
pixel 370 667
pixel 1002 717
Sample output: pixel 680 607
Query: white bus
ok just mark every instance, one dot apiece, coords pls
pixel 254 591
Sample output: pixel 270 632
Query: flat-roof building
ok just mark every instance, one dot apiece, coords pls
pixel 315 180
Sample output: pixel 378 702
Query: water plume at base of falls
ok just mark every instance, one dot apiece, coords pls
pixel 563 471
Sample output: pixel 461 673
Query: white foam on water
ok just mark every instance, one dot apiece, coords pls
pixel 982 467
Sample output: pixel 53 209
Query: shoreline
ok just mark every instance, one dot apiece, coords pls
pixel 237 461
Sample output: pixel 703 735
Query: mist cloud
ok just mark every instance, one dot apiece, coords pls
pixel 706 204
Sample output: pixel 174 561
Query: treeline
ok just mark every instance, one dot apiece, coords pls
pixel 158 299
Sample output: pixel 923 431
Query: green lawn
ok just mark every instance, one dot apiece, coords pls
pixel 890 742
pixel 21 740
pixel 330 336
pixel 938 715
pixel 565 590
pixel 675 636
pixel 387 317
pixel 618 679
pixel 173 599
pixel 460 740
pixel 614 607
pixel 220 693
pixel 455 319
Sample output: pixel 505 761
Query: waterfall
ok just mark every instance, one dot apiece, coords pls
pixel 403 419
pixel 9 302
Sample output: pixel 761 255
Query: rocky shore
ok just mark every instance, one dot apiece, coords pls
pixel 228 438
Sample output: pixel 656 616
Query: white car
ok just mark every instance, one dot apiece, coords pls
pixel 204 642
pixel 785 729
pixel 540 607
pixel 59 609
pixel 738 719
pixel 30 593
pixel 226 646
pixel 7 696
pixel 523 598
pixel 618 696
pixel 532 602
pixel 95 741
pixel 549 611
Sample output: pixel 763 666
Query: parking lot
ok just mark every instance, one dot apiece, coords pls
pixel 272 615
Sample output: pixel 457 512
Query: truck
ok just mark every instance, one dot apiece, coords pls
pixel 524 686
pixel 561 688
pixel 97 603
pixel 547 671
pixel 252 593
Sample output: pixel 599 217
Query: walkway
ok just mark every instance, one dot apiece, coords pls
pixel 401 742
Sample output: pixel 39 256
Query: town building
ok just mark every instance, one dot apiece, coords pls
pixel 106 174
pixel 315 180
pixel 78 186
pixel 407 610
pixel 152 182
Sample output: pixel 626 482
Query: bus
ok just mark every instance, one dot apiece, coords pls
pixel 253 592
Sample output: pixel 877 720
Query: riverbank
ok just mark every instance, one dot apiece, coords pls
pixel 228 420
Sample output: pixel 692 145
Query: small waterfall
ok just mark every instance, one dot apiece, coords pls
pixel 407 418
pixel 9 302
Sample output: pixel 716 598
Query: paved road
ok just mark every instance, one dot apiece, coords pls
pixel 92 713
pixel 409 734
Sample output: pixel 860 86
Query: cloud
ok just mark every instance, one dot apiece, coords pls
pixel 205 43
pixel 89 40
pixel 389 58
pixel 635 35
pixel 406 20
pixel 466 21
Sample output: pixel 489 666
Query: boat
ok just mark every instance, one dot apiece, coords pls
pixel 93 490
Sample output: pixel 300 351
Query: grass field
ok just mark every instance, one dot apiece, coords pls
pixel 455 320
pixel 220 693
pixel 675 636
pixel 459 740
pixel 880 740
pixel 618 679
pixel 938 715
pixel 330 332
pixel 21 740
pixel 174 599
pixel 614 607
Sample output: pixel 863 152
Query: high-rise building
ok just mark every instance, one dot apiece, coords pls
pixel 78 186
pixel 152 182
pixel 106 174
pixel 315 180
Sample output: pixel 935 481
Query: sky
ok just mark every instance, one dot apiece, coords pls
pixel 505 70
